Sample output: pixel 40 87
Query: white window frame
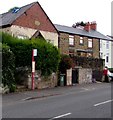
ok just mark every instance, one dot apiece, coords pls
pixel 90 43
pixel 71 40
pixel 22 37
pixel 81 40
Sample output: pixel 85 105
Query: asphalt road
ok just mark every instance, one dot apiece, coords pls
pixel 87 101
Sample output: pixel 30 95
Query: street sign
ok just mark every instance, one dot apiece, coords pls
pixel 34 52
pixel 33 66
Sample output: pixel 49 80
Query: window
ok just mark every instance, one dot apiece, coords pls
pixel 71 40
pixel 22 37
pixel 90 43
pixel 81 41
pixel 107 44
pixel 50 41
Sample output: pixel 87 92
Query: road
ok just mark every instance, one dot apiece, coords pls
pixel 86 101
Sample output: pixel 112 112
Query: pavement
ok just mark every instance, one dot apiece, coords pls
pixel 37 94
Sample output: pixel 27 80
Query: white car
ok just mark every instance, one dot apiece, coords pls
pixel 110 75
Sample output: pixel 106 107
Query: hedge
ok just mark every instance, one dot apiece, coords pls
pixel 8 68
pixel 48 57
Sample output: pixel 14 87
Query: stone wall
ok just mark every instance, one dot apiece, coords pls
pixel 85 75
pixel 42 82
pixel 96 48
pixel 69 77
pixel 64 43
pixel 65 48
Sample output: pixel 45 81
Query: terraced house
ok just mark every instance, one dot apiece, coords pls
pixel 80 41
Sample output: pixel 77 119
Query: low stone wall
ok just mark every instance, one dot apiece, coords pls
pixel 43 82
pixel 69 77
pixel 85 75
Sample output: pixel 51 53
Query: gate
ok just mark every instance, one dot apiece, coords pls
pixel 74 76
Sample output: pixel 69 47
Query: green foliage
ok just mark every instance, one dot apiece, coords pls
pixel 21 73
pixel 12 9
pixel 48 57
pixel 66 63
pixel 8 67
pixel 79 24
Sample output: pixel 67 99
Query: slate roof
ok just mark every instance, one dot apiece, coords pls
pixel 9 17
pixel 77 31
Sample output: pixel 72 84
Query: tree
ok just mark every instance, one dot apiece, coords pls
pixel 66 63
pixel 79 24
pixel 11 9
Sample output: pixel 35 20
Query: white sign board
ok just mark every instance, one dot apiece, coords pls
pixel 33 66
pixel 34 52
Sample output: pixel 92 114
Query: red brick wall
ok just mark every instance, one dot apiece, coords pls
pixel 35 13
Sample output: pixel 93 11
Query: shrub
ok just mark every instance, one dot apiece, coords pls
pixel 8 67
pixel 66 63
pixel 48 57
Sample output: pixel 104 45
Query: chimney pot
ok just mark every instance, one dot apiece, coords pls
pixel 93 26
pixel 87 27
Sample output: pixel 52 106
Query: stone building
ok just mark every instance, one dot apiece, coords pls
pixel 84 41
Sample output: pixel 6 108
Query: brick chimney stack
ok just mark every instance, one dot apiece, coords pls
pixel 93 25
pixel 87 27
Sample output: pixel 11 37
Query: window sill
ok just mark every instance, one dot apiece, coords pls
pixel 71 45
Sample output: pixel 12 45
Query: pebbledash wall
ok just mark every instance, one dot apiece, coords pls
pixel 29 32
pixel 65 48
pixel 37 19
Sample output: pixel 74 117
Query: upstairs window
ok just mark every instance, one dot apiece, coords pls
pixel 81 41
pixel 90 43
pixel 22 37
pixel 71 40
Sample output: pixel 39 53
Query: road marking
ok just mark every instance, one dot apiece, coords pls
pixel 85 89
pixel 101 103
pixel 60 116
pixel 26 98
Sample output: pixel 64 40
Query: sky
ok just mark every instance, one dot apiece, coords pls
pixel 68 12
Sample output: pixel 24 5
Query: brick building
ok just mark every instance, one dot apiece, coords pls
pixel 28 21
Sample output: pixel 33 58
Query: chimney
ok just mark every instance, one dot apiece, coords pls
pixel 93 25
pixel 87 27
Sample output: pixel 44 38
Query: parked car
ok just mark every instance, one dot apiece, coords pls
pixel 110 75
